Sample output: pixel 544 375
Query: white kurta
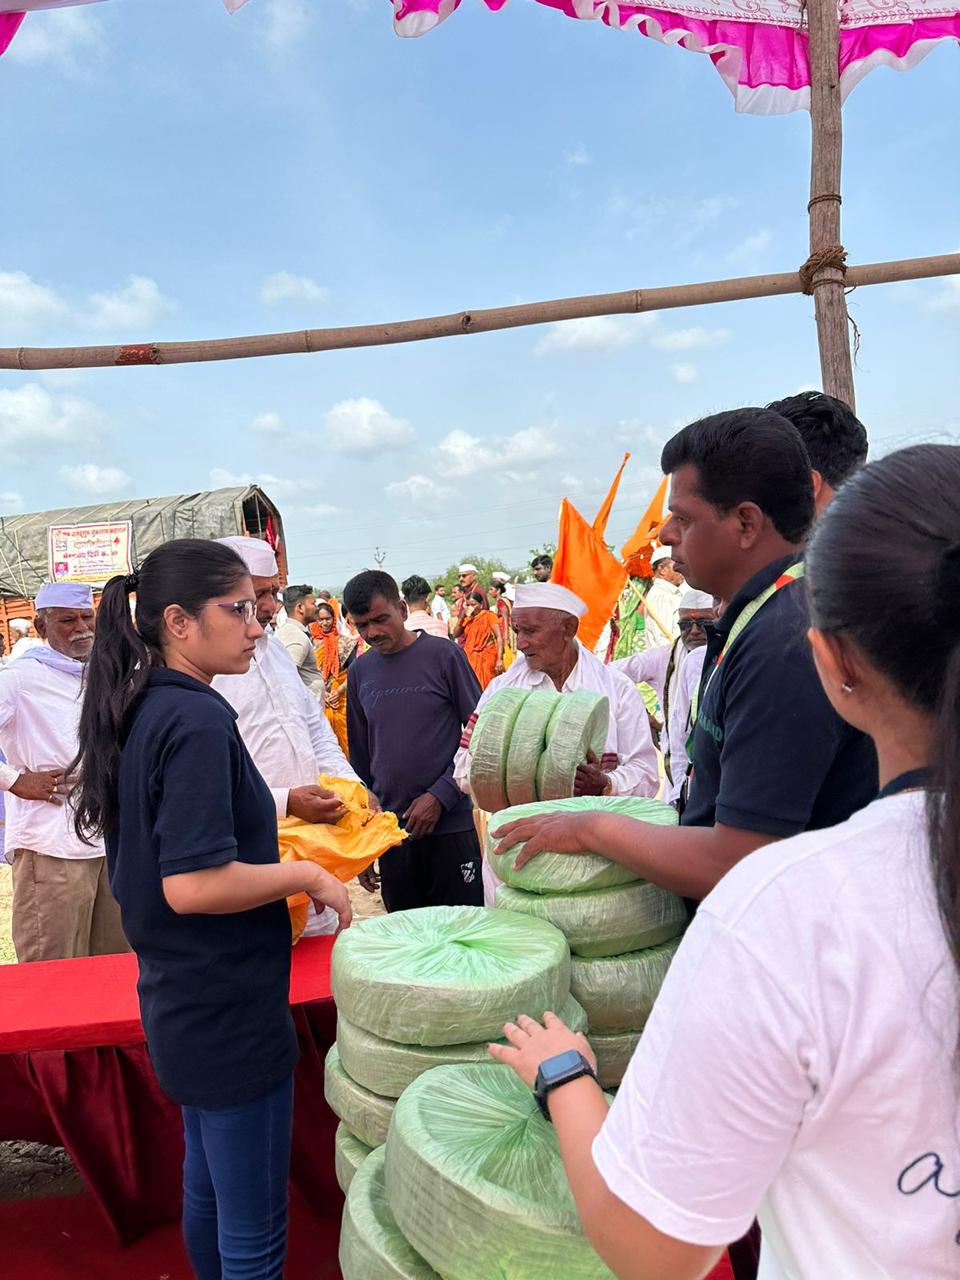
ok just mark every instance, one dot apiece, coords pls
pixel 661 607
pixel 650 668
pixel 39 716
pixel 282 723
pixel 628 737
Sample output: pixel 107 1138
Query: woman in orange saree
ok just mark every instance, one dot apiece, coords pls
pixel 335 653
pixel 482 639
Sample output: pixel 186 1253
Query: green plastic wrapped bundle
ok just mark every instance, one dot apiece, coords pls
pixel 604 922
pixel 388 1068
pixel 618 991
pixel 372 1246
pixel 349 1154
pixel 527 744
pixel 489 745
pixel 614 1049
pixel 447 975
pixel 476 1183
pixel 560 872
pixel 365 1114
pixel 579 724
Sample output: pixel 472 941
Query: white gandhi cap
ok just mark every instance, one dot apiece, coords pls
pixel 548 595
pixel 256 554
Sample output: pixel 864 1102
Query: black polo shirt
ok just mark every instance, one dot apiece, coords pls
pixel 770 754
pixel 214 989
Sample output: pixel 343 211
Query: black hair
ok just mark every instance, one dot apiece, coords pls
pixel 748 455
pixel 188 572
pixel 833 435
pixel 360 591
pixel 479 597
pixel 324 606
pixel 882 552
pixel 293 595
pixel 545 561
pixel 415 588
pixel 440 585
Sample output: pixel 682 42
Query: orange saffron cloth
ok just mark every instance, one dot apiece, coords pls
pixel 480 646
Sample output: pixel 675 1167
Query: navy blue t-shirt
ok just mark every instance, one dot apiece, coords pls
pixel 770 754
pixel 405 717
pixel 214 989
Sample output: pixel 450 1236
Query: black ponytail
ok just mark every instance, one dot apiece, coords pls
pixel 188 572
pixel 886 548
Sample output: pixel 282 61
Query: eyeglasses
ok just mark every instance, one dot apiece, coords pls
pixel 687 624
pixel 245 609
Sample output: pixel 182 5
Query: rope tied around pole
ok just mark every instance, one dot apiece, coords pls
pixel 827 195
pixel 833 256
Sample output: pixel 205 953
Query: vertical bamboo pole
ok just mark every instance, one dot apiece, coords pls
pixel 825 163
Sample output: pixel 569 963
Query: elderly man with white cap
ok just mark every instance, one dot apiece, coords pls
pixel 673 672
pixel 282 724
pixel 545 619
pixel 62 904
pixel 20 627
pixel 661 604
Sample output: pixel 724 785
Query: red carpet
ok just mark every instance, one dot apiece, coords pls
pixel 66 1238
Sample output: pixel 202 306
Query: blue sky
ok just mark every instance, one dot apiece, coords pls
pixel 172 172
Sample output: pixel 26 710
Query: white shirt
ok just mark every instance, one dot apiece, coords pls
pixel 628 737
pixel 420 620
pixel 661 606
pixel 650 667
pixel 39 717
pixel 801 1058
pixel 22 646
pixel 440 609
pixel 281 723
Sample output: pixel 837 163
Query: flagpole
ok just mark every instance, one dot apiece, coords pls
pixel 824 271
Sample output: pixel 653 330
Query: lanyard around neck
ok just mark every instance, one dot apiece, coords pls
pixel 912 780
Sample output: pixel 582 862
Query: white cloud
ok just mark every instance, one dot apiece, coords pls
pixel 577 156
pixel 270 424
pixel 514 457
pixel 322 510
pixel 418 488
pixel 69 39
pixel 362 425
pixel 138 304
pixel 751 247
pixel 695 339
pixel 24 304
pixel 948 297
pixel 275 486
pixel 95 481
pixel 287 22
pixel 11 502
pixel 684 372
pixel 284 287
pixel 595 333
pixel 31 417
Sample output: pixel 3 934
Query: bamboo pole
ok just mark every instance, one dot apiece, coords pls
pixel 826 261
pixel 463 322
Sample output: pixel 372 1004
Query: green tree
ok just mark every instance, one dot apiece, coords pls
pixel 548 549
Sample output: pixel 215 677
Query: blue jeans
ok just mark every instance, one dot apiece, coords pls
pixel 235 1187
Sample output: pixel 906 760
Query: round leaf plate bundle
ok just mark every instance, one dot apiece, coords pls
pixel 579 724
pixel 387 1068
pixel 489 745
pixel 618 992
pixel 349 1154
pixel 447 975
pixel 527 744
pixel 603 922
pixel 614 1049
pixel 476 1184
pixel 366 1115
pixel 561 872
pixel 371 1244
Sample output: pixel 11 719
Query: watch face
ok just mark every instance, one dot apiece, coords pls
pixel 561 1065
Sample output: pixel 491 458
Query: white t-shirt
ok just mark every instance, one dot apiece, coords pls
pixel 801 1060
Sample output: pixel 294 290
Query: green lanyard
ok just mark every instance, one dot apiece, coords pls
pixel 746 616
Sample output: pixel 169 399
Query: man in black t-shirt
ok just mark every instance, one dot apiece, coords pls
pixel 771 758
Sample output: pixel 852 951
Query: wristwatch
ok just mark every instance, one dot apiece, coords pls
pixel 558 1070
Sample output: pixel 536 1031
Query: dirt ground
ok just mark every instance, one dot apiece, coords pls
pixel 29 1169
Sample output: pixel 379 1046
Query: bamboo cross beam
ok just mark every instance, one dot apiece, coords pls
pixel 462 322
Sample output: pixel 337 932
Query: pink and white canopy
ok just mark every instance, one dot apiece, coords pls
pixel 758 46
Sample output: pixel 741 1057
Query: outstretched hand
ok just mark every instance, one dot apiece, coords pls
pixel 554 833
pixel 530 1044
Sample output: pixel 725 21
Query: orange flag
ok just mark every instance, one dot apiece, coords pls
pixel 583 564
pixel 638 547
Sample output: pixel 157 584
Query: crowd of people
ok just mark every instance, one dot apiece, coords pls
pixel 800 1061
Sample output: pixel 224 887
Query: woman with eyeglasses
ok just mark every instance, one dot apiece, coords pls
pixel 191 840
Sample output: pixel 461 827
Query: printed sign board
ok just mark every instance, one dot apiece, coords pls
pixel 90 553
